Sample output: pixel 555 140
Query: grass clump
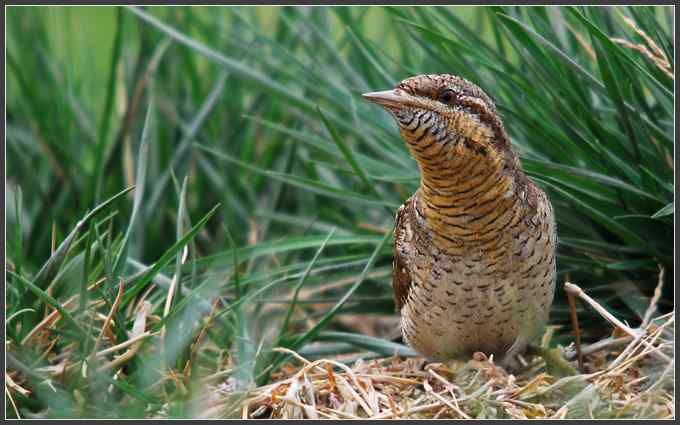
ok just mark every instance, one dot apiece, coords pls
pixel 623 380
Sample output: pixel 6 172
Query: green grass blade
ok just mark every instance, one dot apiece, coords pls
pixel 105 121
pixel 142 165
pixel 331 313
pixel 665 211
pixel 167 256
pixel 47 299
pixel 307 184
pixel 51 267
pixel 366 342
pixel 303 279
pixel 617 51
pixel 349 156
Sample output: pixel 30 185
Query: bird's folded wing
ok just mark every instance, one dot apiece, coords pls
pixel 401 278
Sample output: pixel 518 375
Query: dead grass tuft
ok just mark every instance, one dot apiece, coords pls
pixel 621 377
pixel 649 49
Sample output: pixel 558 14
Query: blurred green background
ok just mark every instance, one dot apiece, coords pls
pixel 257 110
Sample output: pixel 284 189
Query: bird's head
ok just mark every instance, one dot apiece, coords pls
pixel 444 109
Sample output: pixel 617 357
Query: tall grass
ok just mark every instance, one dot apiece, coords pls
pixel 265 187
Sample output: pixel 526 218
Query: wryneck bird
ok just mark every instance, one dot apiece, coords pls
pixel 474 258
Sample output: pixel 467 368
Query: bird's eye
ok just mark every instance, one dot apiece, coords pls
pixel 446 96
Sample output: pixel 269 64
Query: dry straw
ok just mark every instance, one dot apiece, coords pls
pixel 622 377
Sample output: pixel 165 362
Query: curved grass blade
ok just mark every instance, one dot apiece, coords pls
pixel 51 267
pixel 166 258
pixel 616 50
pixel 142 163
pixel 47 299
pixel 307 336
pixel 376 345
pixel 349 156
pixel 302 281
pixel 598 177
pixel 667 210
pixel 239 68
pixel 601 217
pixel 108 103
pixel 190 133
pixel 307 184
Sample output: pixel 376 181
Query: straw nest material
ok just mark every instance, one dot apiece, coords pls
pixel 627 375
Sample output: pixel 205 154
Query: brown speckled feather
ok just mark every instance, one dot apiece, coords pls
pixel 401 277
pixel 474 259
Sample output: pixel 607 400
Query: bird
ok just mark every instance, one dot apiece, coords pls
pixel 474 266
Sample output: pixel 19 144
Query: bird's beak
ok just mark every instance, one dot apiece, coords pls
pixel 387 98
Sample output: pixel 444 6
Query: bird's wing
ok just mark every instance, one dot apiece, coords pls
pixel 401 278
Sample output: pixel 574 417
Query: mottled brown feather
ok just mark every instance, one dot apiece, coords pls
pixel 401 277
pixel 474 259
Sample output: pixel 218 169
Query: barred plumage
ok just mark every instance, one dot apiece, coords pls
pixel 474 264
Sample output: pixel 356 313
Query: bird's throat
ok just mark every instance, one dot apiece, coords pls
pixel 467 188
